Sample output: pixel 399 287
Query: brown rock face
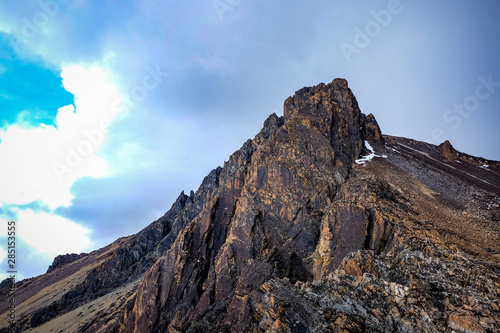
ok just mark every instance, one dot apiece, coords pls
pixel 291 235
pixel 263 221
pixel 468 324
pixel 372 130
pixel 362 217
pixel 447 151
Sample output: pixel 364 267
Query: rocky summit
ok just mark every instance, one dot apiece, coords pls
pixel 318 224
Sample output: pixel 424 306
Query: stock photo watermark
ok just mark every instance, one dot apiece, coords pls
pixel 463 110
pixel 223 6
pixel 11 269
pixel 363 37
pixel 94 137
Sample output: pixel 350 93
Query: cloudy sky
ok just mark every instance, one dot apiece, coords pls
pixel 109 109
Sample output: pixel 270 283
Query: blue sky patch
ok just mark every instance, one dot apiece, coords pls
pixel 28 89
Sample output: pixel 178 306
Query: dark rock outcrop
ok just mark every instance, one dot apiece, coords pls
pixel 447 151
pixel 65 259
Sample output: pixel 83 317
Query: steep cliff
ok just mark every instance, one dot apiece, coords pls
pixel 292 235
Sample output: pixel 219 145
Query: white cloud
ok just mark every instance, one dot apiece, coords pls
pixel 26 153
pixel 39 238
pixel 41 163
pixel 52 234
pixel 3 254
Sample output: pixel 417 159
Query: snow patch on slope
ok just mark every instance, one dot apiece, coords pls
pixel 368 158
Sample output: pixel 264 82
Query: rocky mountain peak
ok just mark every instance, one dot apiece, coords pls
pixel 291 235
pixel 447 151
pixel 332 110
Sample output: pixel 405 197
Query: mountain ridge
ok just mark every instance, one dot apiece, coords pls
pixel 290 235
